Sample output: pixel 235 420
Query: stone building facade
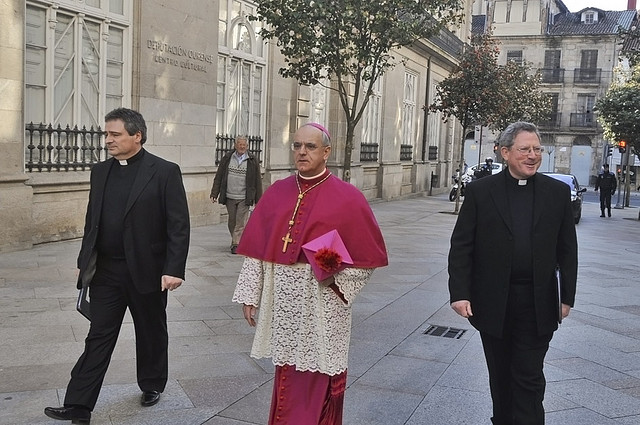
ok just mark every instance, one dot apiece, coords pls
pixel 577 54
pixel 200 74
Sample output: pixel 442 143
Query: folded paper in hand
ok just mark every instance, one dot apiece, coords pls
pixel 327 255
pixel 82 304
pixel 559 290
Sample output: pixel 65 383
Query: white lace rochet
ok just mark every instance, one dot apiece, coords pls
pixel 300 322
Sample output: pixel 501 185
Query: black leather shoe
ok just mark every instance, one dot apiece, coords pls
pixel 234 248
pixel 149 398
pixel 75 414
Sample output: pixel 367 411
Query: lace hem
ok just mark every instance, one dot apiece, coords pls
pixel 300 322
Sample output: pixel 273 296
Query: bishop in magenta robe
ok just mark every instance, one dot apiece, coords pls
pixel 303 324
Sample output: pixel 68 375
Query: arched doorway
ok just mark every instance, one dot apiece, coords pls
pixel 581 154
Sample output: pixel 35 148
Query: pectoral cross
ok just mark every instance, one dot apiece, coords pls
pixel 287 240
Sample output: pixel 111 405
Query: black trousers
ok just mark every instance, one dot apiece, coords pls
pixel 111 292
pixel 515 363
pixel 605 200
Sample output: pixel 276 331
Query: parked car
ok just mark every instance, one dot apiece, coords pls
pixel 576 192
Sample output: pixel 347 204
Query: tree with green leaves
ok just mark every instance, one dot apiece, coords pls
pixel 350 42
pixel 618 113
pixel 521 98
pixel 619 109
pixel 630 42
pixel 482 92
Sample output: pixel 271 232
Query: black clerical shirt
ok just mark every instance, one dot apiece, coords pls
pixel 520 196
pixel 114 201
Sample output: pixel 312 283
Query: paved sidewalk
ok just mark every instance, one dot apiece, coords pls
pixel 397 374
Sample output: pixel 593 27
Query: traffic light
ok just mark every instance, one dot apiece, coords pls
pixel 496 146
pixel 622 146
pixel 607 151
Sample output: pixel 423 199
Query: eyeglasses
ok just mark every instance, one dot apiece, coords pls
pixel 310 147
pixel 526 151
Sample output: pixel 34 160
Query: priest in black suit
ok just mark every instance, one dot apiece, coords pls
pixel 513 230
pixel 134 250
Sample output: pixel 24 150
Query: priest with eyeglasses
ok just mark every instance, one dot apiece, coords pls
pixel 311 245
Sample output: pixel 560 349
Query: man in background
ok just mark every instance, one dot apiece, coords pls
pixel 606 182
pixel 486 169
pixel 238 186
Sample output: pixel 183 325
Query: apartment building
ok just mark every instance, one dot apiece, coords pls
pixel 577 54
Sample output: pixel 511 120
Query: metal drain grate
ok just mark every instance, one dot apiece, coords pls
pixel 444 331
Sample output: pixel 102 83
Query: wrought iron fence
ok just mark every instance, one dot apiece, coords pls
pixel 554 120
pixel 368 152
pixel 587 119
pixel 552 75
pixel 63 149
pixel 52 148
pixel 587 75
pixel 225 144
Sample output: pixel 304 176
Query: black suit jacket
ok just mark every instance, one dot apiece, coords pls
pixel 156 224
pixel 482 250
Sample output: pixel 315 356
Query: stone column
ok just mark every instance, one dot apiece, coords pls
pixel 174 86
pixel 15 196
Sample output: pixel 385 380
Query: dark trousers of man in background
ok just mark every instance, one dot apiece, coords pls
pixel 605 201
pixel 515 362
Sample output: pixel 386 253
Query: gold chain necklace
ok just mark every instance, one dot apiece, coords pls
pixel 287 238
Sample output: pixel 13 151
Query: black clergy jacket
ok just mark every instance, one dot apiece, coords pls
pixel 156 224
pixel 482 244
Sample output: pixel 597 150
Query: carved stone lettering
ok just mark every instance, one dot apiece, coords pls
pixel 183 57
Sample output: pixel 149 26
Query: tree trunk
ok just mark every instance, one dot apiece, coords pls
pixel 348 151
pixel 461 168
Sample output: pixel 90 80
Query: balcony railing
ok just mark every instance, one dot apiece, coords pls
pixel 554 120
pixel 587 75
pixel 368 152
pixel 583 120
pixel 448 42
pixel 63 149
pixel 552 75
pixel 226 143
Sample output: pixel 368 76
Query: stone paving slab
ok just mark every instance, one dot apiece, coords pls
pixel 447 405
pixel 397 375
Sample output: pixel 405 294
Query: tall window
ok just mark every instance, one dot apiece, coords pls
pixel 515 56
pixel 589 59
pixel 585 103
pixel 241 71
pixel 434 121
pixel 319 102
pixel 551 71
pixel 552 59
pixel 76 60
pixel 372 117
pixel 554 118
pixel 409 108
